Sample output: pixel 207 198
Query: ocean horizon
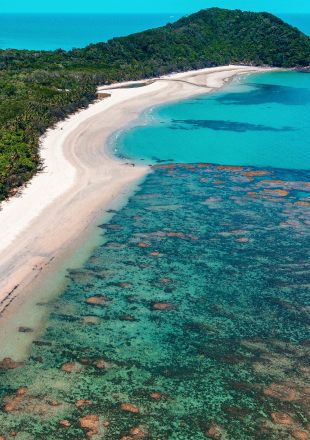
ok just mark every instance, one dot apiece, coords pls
pixel 53 31
pixel 65 31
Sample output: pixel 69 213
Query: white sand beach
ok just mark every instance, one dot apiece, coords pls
pixel 80 178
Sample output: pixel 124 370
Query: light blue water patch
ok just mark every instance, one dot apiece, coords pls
pixel 258 119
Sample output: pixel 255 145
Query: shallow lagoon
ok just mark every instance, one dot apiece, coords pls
pixel 258 120
pixel 195 313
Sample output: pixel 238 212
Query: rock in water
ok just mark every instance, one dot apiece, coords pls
pixel 65 423
pixel 69 367
pixel 25 329
pixel 8 364
pixel 213 433
pixel 97 300
pixel 91 423
pixel 161 306
pixel 300 435
pixel 130 408
pixel 282 418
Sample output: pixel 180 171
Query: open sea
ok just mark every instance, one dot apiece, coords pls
pixel 192 320
pixel 53 31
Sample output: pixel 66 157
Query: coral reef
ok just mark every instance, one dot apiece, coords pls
pixel 190 321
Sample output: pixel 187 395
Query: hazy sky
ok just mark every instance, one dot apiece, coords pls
pixel 151 6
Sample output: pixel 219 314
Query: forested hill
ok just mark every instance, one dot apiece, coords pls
pixel 208 38
pixel 38 88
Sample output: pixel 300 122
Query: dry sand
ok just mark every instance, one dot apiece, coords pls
pixel 80 178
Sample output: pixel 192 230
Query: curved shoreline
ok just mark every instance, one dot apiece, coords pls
pixel 47 220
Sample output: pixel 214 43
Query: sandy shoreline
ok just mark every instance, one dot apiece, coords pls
pixel 80 179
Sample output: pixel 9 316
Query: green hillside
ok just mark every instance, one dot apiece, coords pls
pixel 39 88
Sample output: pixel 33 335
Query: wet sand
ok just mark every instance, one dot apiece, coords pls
pixel 42 227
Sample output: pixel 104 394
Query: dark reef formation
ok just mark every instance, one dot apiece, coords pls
pixel 201 333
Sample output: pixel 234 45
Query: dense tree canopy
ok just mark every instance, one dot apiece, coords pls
pixel 38 88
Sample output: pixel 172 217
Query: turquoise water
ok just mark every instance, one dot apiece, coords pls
pixel 301 21
pixel 260 120
pixel 190 322
pixel 54 31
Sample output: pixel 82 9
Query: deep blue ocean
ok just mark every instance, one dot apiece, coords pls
pixel 54 31
pixel 191 319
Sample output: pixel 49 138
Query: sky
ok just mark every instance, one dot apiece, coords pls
pixel 127 6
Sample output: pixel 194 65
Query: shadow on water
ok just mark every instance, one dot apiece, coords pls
pixel 239 127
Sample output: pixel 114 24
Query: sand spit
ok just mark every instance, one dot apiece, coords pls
pixel 80 178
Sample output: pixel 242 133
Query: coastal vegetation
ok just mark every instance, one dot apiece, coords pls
pixel 39 88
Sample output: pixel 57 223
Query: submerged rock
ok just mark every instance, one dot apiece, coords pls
pixel 11 407
pixel 280 392
pixel 69 367
pixel 213 433
pixel 65 423
pixel 101 364
pixel 21 391
pixel 42 343
pixel 282 418
pixel 97 300
pixel 83 402
pixel 300 435
pixel 8 364
pixel 104 226
pixel 55 403
pixel 91 423
pixel 25 329
pixel 130 408
pixel 162 306
pixel 137 433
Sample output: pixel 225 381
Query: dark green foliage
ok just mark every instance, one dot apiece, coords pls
pixel 39 88
pixel 28 106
